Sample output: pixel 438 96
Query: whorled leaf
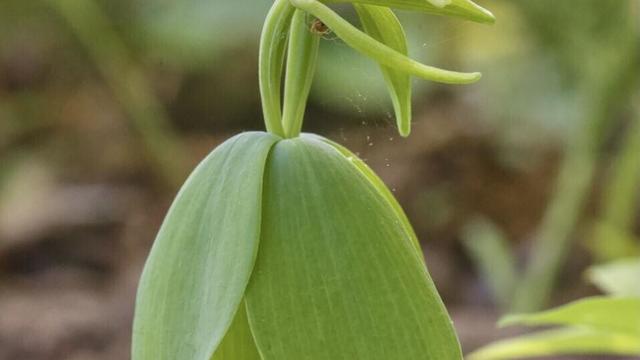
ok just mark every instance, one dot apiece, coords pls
pixel 567 341
pixel 465 9
pixel 612 314
pixel 338 276
pixel 202 259
pixel 383 25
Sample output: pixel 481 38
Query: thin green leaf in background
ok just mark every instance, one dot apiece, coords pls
pixel 567 341
pixel 620 315
pixel 383 25
pixel 491 252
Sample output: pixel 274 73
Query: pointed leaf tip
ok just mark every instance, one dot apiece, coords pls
pixel 382 24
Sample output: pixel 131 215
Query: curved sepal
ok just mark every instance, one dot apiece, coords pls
pixel 465 9
pixel 202 259
pixel 383 25
pixel 378 51
pixel 337 276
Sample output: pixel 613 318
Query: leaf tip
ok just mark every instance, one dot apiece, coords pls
pixel 471 78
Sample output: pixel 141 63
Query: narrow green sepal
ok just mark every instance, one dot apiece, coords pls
pixel 383 25
pixel 464 9
pixel 301 65
pixel 273 47
pixel 378 51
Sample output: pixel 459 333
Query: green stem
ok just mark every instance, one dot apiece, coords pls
pixel 383 54
pixel 620 197
pixel 273 44
pixel 128 85
pixel 301 65
pixel 620 201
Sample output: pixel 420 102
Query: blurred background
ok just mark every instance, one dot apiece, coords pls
pixel 515 185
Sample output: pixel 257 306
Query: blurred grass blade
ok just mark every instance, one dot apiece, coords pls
pixel 202 259
pixel 383 25
pixel 620 315
pixel 610 241
pixel 337 275
pixel 465 9
pixel 378 51
pixel 238 343
pixel 568 341
pixel 619 278
pixel 492 255
pixel 129 86
pixel 273 47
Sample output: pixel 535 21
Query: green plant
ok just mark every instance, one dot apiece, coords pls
pixel 129 85
pixel 284 245
pixel 597 325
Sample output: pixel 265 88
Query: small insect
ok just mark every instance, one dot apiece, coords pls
pixel 319 28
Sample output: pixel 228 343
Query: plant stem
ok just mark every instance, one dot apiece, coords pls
pixel 272 52
pixel 621 200
pixel 128 85
pixel 621 195
pixel 301 65
pixel 383 54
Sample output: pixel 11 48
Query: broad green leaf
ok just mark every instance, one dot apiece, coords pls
pixel 337 275
pixel 621 315
pixel 559 342
pixel 202 259
pixel 379 185
pixel 378 51
pixel 618 278
pixel 465 9
pixel 383 25
pixel 238 343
